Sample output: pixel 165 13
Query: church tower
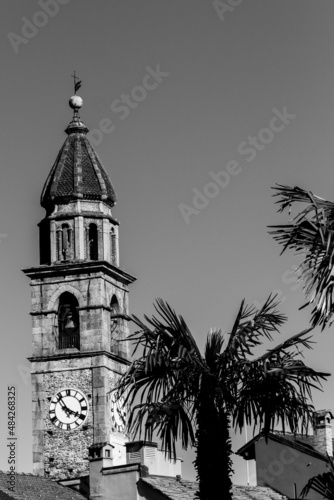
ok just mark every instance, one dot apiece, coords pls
pixel 79 312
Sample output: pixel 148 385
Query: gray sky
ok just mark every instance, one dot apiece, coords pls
pixel 224 77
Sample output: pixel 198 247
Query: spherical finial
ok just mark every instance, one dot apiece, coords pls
pixel 75 102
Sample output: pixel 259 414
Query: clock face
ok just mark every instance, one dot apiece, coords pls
pixel 118 413
pixel 68 409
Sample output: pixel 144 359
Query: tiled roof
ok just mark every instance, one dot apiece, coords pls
pixel 256 493
pixel 298 441
pixel 173 489
pixel 33 487
pixel 77 172
pixel 297 438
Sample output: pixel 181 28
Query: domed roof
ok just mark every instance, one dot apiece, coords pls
pixel 77 172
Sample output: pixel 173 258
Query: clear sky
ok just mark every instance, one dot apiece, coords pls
pixel 218 78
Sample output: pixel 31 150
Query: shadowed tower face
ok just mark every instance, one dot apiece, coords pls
pixel 79 298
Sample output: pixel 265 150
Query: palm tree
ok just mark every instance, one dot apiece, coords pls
pixel 322 483
pixel 175 391
pixel 311 235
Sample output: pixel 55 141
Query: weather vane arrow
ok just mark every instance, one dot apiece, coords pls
pixel 77 83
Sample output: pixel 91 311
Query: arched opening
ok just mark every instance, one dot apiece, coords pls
pixel 93 242
pixel 68 322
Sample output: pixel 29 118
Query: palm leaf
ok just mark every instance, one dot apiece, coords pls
pixel 310 235
pixel 322 483
pixel 164 379
pixel 276 387
pixel 251 325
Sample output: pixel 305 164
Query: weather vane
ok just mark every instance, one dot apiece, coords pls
pixel 77 84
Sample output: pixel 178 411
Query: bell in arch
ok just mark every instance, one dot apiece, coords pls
pixel 70 326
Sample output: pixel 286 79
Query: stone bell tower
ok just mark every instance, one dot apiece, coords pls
pixel 79 312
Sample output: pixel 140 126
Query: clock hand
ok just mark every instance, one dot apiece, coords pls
pixel 66 409
pixel 63 406
pixel 75 413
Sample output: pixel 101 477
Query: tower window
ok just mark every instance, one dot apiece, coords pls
pixel 68 322
pixel 64 243
pixel 113 246
pixel 93 242
pixel 114 323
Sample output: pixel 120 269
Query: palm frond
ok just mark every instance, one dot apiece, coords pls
pixel 170 420
pixel 251 325
pixel 322 483
pixel 170 334
pixel 276 387
pixel 311 235
pixel 213 349
pixel 160 386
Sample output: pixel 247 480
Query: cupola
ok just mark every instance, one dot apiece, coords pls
pixel 78 197
pixel 77 172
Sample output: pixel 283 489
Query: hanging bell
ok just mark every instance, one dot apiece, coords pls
pixel 69 326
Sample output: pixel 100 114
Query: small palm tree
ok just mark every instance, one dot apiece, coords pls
pixel 175 391
pixel 311 235
pixel 322 483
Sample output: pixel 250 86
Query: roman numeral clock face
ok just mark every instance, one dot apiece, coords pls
pixel 68 409
pixel 118 413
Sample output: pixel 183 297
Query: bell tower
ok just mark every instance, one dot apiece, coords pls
pixel 79 311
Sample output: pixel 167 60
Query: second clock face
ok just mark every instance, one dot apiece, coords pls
pixel 68 409
pixel 118 413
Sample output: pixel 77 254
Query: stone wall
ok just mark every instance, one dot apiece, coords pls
pixel 94 367
pixel 94 293
pixel 63 454
pixel 66 452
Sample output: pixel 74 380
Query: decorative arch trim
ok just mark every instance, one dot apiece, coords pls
pixel 118 295
pixel 53 303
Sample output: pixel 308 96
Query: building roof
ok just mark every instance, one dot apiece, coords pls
pixel 173 489
pixel 33 487
pixel 77 172
pixel 299 442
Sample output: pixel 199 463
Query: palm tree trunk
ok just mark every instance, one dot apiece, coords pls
pixel 213 448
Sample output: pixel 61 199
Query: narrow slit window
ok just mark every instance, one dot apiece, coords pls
pixel 93 242
pixel 65 242
pixel 113 246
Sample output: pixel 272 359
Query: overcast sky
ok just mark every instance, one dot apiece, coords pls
pixel 223 102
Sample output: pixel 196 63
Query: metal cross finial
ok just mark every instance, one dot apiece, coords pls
pixel 77 84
